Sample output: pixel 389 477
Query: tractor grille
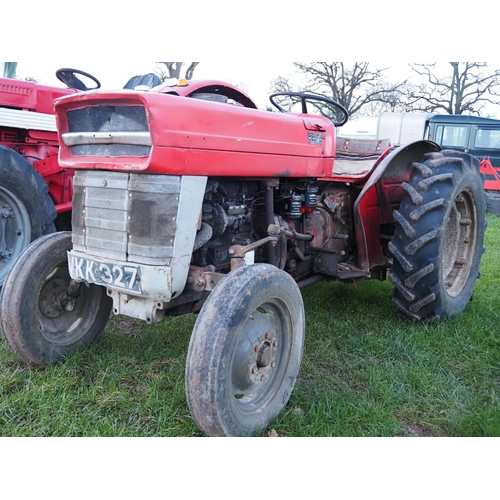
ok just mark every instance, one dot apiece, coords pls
pixel 125 216
pixel 108 131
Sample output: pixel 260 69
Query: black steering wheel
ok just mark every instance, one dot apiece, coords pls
pixel 69 78
pixel 303 97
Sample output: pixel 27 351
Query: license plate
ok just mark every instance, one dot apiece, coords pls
pixel 126 277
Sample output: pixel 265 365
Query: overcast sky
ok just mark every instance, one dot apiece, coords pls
pixel 253 76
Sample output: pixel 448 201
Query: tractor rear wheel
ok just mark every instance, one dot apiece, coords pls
pixel 45 315
pixel 26 210
pixel 438 241
pixel 245 351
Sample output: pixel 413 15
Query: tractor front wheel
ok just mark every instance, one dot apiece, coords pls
pixel 45 315
pixel 438 241
pixel 245 351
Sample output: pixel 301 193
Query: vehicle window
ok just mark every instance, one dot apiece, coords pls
pixel 451 136
pixel 487 138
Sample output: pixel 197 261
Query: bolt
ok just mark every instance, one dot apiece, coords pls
pixel 268 336
pixel 70 305
pixel 273 364
pixel 7 212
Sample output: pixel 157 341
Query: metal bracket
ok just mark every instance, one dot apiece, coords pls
pixel 237 252
pixel 5 213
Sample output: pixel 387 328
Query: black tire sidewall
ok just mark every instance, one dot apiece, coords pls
pixel 249 302
pixel 19 177
pixel 466 177
pixel 19 303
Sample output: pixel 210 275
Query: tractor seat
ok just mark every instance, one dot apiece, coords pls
pixel 356 157
pixel 149 80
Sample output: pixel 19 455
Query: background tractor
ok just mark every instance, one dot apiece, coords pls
pixel 35 191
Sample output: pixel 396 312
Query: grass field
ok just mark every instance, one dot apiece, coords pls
pixel 366 371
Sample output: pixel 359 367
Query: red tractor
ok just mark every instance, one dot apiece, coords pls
pixel 188 199
pixel 35 191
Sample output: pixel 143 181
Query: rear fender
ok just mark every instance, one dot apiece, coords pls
pixel 380 196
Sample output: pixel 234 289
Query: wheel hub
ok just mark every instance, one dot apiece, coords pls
pixel 255 357
pixel 264 360
pixel 15 230
pixel 460 242
pixel 52 297
pixel 264 355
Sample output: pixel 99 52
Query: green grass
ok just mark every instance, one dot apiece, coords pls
pixel 366 371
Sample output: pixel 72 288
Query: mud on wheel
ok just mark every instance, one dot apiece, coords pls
pixel 438 241
pixel 44 314
pixel 26 210
pixel 245 351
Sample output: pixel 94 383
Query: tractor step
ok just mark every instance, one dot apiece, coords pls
pixel 348 272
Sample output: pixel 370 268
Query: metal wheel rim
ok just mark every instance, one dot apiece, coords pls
pixel 58 326
pixel 17 229
pixel 261 356
pixel 459 243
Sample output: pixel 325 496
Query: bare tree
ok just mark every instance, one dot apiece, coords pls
pixel 465 88
pixel 173 70
pixel 356 86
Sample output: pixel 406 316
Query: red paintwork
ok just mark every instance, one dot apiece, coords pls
pixel 491 176
pixel 194 137
pixel 39 147
pixel 30 96
pixel 189 134
pixel 381 194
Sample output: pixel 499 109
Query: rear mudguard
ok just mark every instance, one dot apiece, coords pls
pixel 380 196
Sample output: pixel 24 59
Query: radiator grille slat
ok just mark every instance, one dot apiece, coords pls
pixel 130 217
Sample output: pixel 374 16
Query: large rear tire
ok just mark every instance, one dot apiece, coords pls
pixel 26 210
pixel 438 241
pixel 245 351
pixel 36 321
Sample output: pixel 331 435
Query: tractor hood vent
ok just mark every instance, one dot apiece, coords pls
pixel 108 131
